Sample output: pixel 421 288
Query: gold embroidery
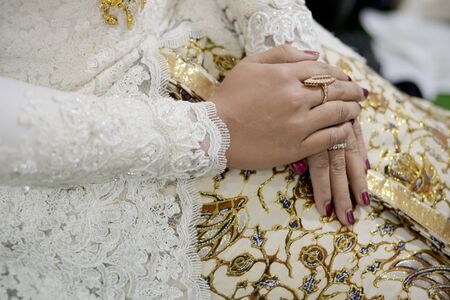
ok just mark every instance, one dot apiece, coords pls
pixel 420 268
pixel 401 199
pixel 186 66
pixel 241 264
pixel 124 5
pixel 313 256
pixel 419 179
pixel 222 223
pixel 192 75
pixel 264 255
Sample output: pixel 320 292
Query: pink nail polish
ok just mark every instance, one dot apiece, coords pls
pixel 350 217
pixel 328 209
pixel 366 93
pixel 300 167
pixel 365 198
pixel 311 52
pixel 368 167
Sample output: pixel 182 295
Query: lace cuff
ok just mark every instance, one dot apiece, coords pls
pixel 51 137
pixel 218 137
pixel 264 24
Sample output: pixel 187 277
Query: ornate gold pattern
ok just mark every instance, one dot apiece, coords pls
pixel 282 249
pixel 422 270
pixel 122 5
pixel 397 197
pixel 241 264
pixel 320 259
pixel 222 223
pixel 188 74
pixel 418 179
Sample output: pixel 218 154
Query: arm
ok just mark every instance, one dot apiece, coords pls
pixel 264 24
pixel 50 137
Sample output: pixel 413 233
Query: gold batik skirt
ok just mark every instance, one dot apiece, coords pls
pixel 260 236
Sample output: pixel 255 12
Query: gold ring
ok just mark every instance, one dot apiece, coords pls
pixel 322 81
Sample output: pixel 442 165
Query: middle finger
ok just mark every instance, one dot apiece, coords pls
pixel 339 187
pixel 319 170
pixel 338 90
pixel 330 114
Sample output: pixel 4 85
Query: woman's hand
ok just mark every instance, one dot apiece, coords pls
pixel 331 173
pixel 269 112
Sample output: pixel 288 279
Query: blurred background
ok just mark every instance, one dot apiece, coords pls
pixel 407 41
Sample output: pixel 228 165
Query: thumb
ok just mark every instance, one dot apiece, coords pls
pixel 282 54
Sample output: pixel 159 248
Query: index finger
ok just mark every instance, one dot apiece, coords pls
pixel 306 69
pixel 282 54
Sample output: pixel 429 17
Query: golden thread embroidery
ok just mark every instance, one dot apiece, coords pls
pixel 258 258
pixel 124 5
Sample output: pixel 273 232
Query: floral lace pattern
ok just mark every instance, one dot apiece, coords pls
pixel 79 139
pixel 269 23
pixel 99 226
pixel 95 242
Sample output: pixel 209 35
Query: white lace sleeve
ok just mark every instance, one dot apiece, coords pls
pixel 50 137
pixel 264 24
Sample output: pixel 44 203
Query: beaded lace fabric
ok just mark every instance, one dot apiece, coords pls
pixel 102 158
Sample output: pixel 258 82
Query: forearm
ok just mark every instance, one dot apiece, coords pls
pixel 51 137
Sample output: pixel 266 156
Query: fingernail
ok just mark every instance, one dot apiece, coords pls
pixel 315 53
pixel 329 209
pixel 349 78
pixel 365 198
pixel 300 167
pixel 368 167
pixel 366 92
pixel 350 217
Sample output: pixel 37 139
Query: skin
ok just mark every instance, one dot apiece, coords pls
pixel 332 172
pixel 274 119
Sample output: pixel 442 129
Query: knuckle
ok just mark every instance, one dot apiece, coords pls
pixel 352 147
pixel 284 51
pixel 295 92
pixel 320 161
pixel 339 89
pixel 346 131
pixel 342 111
pixel 333 138
pixel 338 164
pixel 339 134
pixel 285 47
pixel 323 68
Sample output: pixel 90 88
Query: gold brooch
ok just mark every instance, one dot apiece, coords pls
pixel 124 5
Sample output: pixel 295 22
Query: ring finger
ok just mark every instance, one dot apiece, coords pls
pixel 340 188
pixel 319 170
